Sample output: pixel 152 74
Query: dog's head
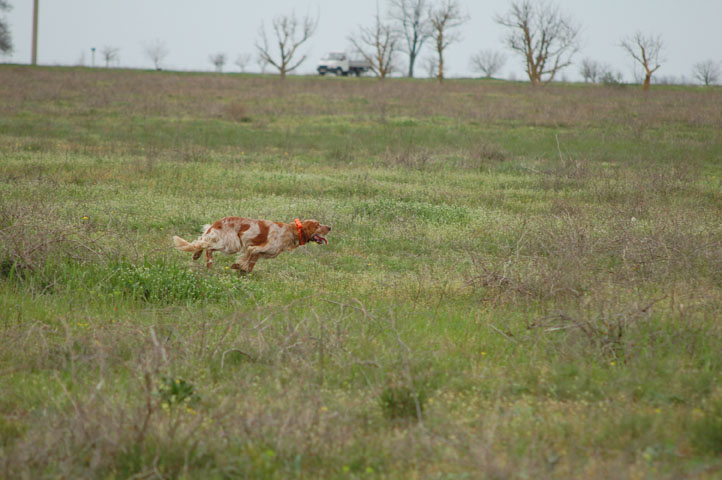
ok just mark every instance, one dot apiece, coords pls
pixel 313 231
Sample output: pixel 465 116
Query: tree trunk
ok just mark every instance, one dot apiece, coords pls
pixel 412 60
pixel 533 71
pixel 647 80
pixel 440 51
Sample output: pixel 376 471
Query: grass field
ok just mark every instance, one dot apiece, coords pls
pixel 519 283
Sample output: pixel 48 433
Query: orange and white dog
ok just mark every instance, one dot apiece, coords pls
pixel 252 239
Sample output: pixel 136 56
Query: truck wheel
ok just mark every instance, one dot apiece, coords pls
pixel 339 71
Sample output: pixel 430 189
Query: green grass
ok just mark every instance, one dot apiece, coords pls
pixel 519 283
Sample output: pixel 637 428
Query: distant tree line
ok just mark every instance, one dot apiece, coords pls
pixel 544 38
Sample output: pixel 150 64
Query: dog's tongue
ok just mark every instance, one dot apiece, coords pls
pixel 320 239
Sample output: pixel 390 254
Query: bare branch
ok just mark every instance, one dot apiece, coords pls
pixel 707 72
pixel 542 35
pixel 377 45
pixel 242 60
pixel 590 70
pixel 647 51
pixel 431 66
pixel 445 20
pixel 488 62
pixel 218 60
pixel 262 63
pixel 156 52
pixel 110 54
pixel 290 33
pixel 6 42
pixel 412 25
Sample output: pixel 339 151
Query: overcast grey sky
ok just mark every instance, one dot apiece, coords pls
pixel 194 29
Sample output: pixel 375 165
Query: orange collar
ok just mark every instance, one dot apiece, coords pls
pixel 298 224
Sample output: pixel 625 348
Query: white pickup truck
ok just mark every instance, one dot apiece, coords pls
pixel 339 64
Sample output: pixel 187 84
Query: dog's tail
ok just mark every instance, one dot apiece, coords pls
pixel 196 246
pixel 187 246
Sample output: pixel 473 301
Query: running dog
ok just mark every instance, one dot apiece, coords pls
pixel 252 239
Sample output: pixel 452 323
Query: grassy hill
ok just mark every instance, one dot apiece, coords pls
pixel 519 283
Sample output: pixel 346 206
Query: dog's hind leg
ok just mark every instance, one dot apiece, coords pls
pixel 198 254
pixel 209 258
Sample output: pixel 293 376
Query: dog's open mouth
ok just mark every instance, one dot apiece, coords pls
pixel 320 239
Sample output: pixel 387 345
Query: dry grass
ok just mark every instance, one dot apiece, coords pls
pixel 59 91
pixel 35 235
pixel 520 283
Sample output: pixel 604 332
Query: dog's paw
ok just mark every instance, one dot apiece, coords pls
pixel 241 271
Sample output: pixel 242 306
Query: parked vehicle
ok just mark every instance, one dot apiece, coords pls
pixel 339 64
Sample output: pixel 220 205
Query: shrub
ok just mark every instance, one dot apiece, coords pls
pixel 164 283
pixel 400 401
pixel 707 429
pixel 236 112
pixel 32 235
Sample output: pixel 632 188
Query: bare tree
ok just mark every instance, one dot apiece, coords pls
pixel 590 70
pixel 290 33
pixel 218 60
pixel 412 25
pixel 110 54
pixel 156 52
pixel 445 20
pixel 431 66
pixel 542 35
pixel 377 45
pixel 488 62
pixel 6 41
pixel 707 72
pixel 262 63
pixel 242 60
pixel 647 51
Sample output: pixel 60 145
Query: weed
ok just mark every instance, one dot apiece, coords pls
pixel 391 210
pixel 707 427
pixel 236 111
pixel 177 391
pixel 35 234
pixel 399 401
pixel 165 283
pixel 545 261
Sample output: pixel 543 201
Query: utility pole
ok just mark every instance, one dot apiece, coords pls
pixel 35 32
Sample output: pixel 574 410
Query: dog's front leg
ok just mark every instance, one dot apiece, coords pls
pixel 252 259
